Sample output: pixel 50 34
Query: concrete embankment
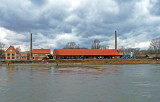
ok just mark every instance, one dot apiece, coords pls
pixel 84 62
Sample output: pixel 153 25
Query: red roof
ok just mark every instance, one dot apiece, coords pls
pixel 85 52
pixel 36 51
pixel 12 48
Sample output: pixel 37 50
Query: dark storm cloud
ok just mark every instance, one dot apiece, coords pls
pixel 105 22
pixel 31 18
pixel 50 20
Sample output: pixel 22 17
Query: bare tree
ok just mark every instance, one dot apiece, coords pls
pixel 96 44
pixel 122 48
pixel 71 45
pixel 2 46
pixel 155 45
pixel 104 47
pixel 18 49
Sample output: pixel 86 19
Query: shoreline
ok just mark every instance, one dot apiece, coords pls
pixel 72 64
pixel 81 62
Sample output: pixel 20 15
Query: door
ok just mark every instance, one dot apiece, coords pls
pixel 36 58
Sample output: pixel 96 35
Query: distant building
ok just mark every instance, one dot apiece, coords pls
pixel 25 55
pixel 130 52
pixel 142 56
pixel 39 54
pixel 12 54
pixel 85 53
pixel 121 53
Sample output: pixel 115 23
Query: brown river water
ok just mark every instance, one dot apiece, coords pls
pixel 93 83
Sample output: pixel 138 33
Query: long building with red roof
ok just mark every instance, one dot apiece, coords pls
pixel 85 53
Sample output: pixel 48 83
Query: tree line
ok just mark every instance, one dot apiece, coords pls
pixel 95 45
pixel 154 49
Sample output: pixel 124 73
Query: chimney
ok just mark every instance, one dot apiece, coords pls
pixel 115 40
pixel 31 48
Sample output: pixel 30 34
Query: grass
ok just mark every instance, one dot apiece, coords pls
pixel 86 61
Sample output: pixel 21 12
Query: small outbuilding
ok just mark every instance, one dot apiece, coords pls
pixel 39 54
pixel 25 55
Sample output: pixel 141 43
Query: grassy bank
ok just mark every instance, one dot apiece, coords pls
pixel 110 61
pixel 85 61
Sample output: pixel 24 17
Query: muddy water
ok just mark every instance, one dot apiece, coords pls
pixel 104 83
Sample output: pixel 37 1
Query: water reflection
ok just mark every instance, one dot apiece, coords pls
pixel 41 69
pixel 31 68
pixel 95 70
pixel 11 68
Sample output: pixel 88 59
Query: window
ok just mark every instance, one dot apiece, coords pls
pixel 8 54
pixel 12 54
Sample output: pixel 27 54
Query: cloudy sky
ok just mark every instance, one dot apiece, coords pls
pixel 56 22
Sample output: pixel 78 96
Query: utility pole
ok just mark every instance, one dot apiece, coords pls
pixel 116 40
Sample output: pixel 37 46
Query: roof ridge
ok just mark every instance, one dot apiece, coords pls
pixel 86 52
pixel 13 48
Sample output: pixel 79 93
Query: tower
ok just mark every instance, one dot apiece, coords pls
pixel 31 47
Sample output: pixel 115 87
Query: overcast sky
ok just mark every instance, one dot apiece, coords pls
pixel 56 22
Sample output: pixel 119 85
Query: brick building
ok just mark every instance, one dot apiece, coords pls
pixel 39 54
pixel 12 54
pixel 25 55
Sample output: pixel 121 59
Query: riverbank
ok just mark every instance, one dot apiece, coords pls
pixel 84 62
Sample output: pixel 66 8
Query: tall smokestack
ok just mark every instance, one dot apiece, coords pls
pixel 115 40
pixel 31 48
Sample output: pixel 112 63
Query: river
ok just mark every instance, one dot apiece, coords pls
pixel 93 83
